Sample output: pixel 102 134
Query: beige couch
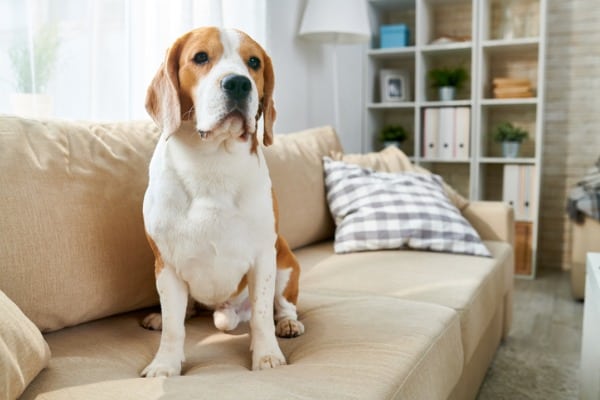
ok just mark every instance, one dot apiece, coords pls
pixel 73 257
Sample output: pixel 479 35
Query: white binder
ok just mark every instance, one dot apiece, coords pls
pixel 510 188
pixel 430 133
pixel 462 131
pixel 528 195
pixel 446 134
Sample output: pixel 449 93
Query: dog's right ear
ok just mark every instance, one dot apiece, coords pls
pixel 162 97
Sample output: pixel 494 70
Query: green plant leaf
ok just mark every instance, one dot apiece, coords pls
pixel 445 76
pixel 507 132
pixel 393 133
pixel 34 64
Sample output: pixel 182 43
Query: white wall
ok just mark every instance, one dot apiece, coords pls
pixel 304 77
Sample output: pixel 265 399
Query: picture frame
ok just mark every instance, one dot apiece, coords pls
pixel 394 85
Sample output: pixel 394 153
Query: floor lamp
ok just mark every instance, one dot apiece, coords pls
pixel 336 22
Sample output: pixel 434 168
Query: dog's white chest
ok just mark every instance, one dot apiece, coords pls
pixel 210 216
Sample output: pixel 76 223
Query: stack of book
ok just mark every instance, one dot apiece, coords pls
pixel 510 88
pixel 446 133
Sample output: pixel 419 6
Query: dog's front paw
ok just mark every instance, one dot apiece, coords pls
pixel 289 328
pixel 153 321
pixel 162 368
pixel 267 361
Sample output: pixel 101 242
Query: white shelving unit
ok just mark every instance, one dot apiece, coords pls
pixel 486 53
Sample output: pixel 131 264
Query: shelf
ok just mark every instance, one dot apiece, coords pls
pixel 445 160
pixel 453 103
pixel 447 48
pixel 391 105
pixel 479 173
pixel 392 53
pixel 511 45
pixel 509 102
pixel 396 5
pixel 505 160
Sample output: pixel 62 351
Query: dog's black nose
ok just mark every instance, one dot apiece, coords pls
pixel 237 87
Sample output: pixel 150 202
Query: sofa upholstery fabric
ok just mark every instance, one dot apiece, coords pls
pixel 360 348
pixel 296 169
pixel 379 325
pixel 23 350
pixel 72 244
pixel 473 286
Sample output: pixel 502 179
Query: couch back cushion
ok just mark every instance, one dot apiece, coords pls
pixel 72 243
pixel 296 166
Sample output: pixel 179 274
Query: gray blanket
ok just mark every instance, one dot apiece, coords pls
pixel 584 199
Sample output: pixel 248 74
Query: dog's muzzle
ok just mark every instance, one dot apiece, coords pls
pixel 237 88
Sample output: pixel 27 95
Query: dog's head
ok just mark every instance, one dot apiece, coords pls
pixel 220 79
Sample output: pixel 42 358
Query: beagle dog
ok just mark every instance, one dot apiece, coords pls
pixel 210 213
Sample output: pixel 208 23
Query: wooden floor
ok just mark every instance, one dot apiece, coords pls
pixel 540 358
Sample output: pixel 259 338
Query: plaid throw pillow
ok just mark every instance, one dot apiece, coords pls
pixel 378 210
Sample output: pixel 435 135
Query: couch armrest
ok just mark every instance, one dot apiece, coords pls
pixel 493 220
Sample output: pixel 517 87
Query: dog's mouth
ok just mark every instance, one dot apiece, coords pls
pixel 233 124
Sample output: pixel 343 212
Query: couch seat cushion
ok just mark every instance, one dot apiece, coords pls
pixel 473 286
pixel 358 348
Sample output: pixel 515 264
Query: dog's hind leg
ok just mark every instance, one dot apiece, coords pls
pixel 286 292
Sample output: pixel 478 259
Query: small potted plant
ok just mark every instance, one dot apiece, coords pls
pixel 33 64
pixel 392 135
pixel 447 80
pixel 511 137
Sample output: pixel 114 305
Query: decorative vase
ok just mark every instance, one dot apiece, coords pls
pixel 391 143
pixel 31 105
pixel 447 93
pixel 510 149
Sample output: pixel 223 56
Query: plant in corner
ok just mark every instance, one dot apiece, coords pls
pixel 392 135
pixel 447 80
pixel 511 137
pixel 33 65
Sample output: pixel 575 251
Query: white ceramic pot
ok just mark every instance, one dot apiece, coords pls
pixel 391 143
pixel 510 149
pixel 447 93
pixel 31 105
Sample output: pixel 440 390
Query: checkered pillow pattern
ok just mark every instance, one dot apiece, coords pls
pixel 379 210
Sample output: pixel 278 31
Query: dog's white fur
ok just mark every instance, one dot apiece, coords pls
pixel 208 213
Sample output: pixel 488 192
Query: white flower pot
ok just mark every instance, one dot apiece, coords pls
pixel 31 105
pixel 510 149
pixel 391 143
pixel 447 93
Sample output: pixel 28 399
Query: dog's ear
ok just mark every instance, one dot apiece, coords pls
pixel 268 106
pixel 162 97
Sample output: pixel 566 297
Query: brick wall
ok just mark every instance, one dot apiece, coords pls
pixel 572 118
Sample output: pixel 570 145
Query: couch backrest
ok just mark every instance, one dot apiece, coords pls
pixel 296 166
pixel 72 242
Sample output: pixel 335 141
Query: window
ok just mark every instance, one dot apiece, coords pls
pixel 93 59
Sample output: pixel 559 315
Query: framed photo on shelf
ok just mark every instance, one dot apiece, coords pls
pixel 395 85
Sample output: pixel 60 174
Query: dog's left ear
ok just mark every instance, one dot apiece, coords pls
pixel 162 97
pixel 268 106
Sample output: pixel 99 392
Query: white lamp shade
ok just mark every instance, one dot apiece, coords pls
pixel 336 21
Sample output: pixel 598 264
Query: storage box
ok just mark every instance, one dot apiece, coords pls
pixel 393 35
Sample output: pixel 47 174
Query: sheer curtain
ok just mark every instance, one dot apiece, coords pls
pixel 93 59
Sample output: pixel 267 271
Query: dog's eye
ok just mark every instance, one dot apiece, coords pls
pixel 254 63
pixel 201 58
